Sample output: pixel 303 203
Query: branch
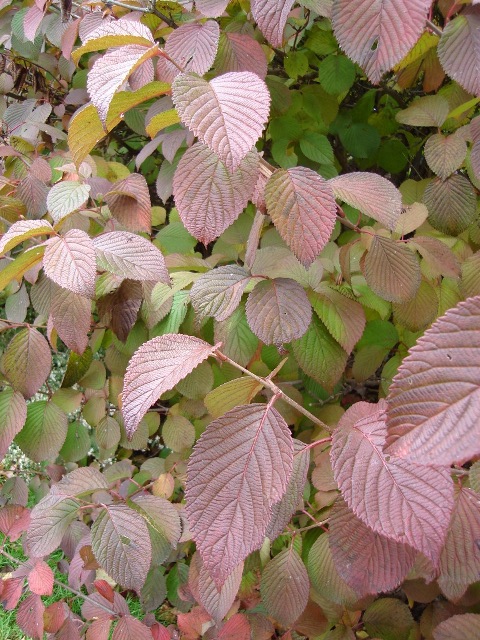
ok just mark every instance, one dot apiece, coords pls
pixel 433 27
pixel 152 9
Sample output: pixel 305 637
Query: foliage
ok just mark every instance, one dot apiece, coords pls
pixel 251 231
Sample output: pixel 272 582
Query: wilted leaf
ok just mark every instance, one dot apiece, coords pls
pixel 129 202
pixel 69 261
pixel 240 52
pixel 278 311
pixel 209 198
pixel 212 111
pixel 156 367
pixel 371 194
pixel 368 31
pixel 66 197
pixel 451 204
pixel 130 256
pixel 445 154
pixel 458 49
pixel 302 207
pixel 44 431
pixel 406 502
pixel 392 270
pixel 13 412
pixel 27 361
pixel 23 230
pixel 71 316
pixel 239 468
pixel 433 405
pixel 121 545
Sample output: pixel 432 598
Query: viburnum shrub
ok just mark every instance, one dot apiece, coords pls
pixel 249 234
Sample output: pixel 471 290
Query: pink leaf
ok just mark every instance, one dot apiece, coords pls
pixel 40 578
pixel 157 366
pixel 237 628
pixel 445 154
pixel 130 256
pixel 212 8
pixel 227 114
pixel 372 194
pixel 23 230
pixel 31 22
pixel 30 616
pixel 302 207
pixel 239 468
pixel 208 197
pixel 218 292
pixel 69 261
pixel 71 315
pixel 434 401
pixel 459 49
pixel 458 627
pixel 94 27
pixel 271 16
pixel 13 412
pixel 129 202
pixel 240 52
pixel 14 520
pixel 130 628
pixel 27 361
pixel 278 311
pixel 370 33
pixel 406 502
pixel 367 561
pixel 33 193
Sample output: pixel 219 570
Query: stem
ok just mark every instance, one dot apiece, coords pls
pixel 314 444
pixel 275 390
pixel 253 239
pixel 433 27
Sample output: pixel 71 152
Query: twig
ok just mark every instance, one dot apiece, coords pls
pixel 433 27
pixel 314 444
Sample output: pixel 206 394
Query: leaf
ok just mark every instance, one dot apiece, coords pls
pixel 30 616
pixel 302 207
pixel 271 17
pixel 50 519
pixel 451 204
pixel 371 194
pixel 392 270
pixel 208 197
pixel 387 614
pixel 114 34
pixel 236 628
pixel 459 49
pixel 217 293
pixel 23 230
pixel 22 263
pixel 161 121
pixel 85 129
pixel 231 394
pixel 369 32
pixel 427 111
pixel 13 412
pixel 33 193
pixel 406 502
pixel 240 52
pixel 125 100
pixel 14 520
pixel 324 576
pixel 458 627
pixel 445 154
pixel 438 256
pixel 192 46
pixel 66 197
pixel 44 431
pixel 368 562
pixel 239 468
pixel 40 577
pixel 27 361
pixel 156 367
pixel 278 311
pixel 69 261
pixel 130 628
pixel 319 355
pixel 317 147
pixel 121 545
pixel 283 510
pixel 433 405
pixel 163 522
pixel 71 315
pixel 416 314
pixel 130 256
pixel 119 310
pixel 112 70
pixel 238 340
pixel 129 203
pixel 227 114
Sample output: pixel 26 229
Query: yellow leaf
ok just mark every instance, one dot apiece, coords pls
pixel 20 265
pixel 108 41
pixel 162 120
pixel 125 100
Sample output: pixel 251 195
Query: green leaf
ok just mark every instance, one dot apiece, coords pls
pixel 66 197
pixel 389 619
pixel 316 147
pixel 231 394
pixel 44 432
pixel 86 129
pixel 296 64
pixel 77 367
pixel 238 341
pixel 336 74
pixel 77 443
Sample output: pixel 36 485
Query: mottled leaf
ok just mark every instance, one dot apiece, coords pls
pixel 156 367
pixel 433 405
pixel 239 468
pixel 13 412
pixel 129 202
pixel 44 431
pixel 459 49
pixel 406 502
pixel 66 197
pixel 451 204
pixel 27 361
pixel 445 154
pixel 302 207
pixel 227 114
pixel 69 261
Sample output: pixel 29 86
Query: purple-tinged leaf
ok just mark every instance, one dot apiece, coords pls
pixel 208 197
pixel 459 49
pixel 302 207
pixel 130 628
pixel 27 361
pixel 369 31
pixel 79 482
pixel 71 315
pixel 367 561
pixel 285 587
pixel 119 310
pixel 69 261
pixel 156 367
pixel 445 154
pixel 283 510
pixel 278 311
pixel 227 114
pixel 212 8
pixel 458 627
pixel 44 431
pixel 434 402
pixel 403 501
pixel 23 230
pixel 50 519
pixel 271 17
pixel 192 46
pixel 14 520
pixel 437 255
pixel 240 52
pixel 66 197
pixel 30 616
pixel 13 412
pixel 427 111
pixel 33 193
pixel 418 312
pixel 236 628
pixel 129 203
pixel 392 270
pixel 217 293
pixel 451 204
pixel 40 576
pixel 110 72
pixel 240 467
pixel 130 256
pixel 121 545
pixel 163 522
pixel 31 22
pixel 371 194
